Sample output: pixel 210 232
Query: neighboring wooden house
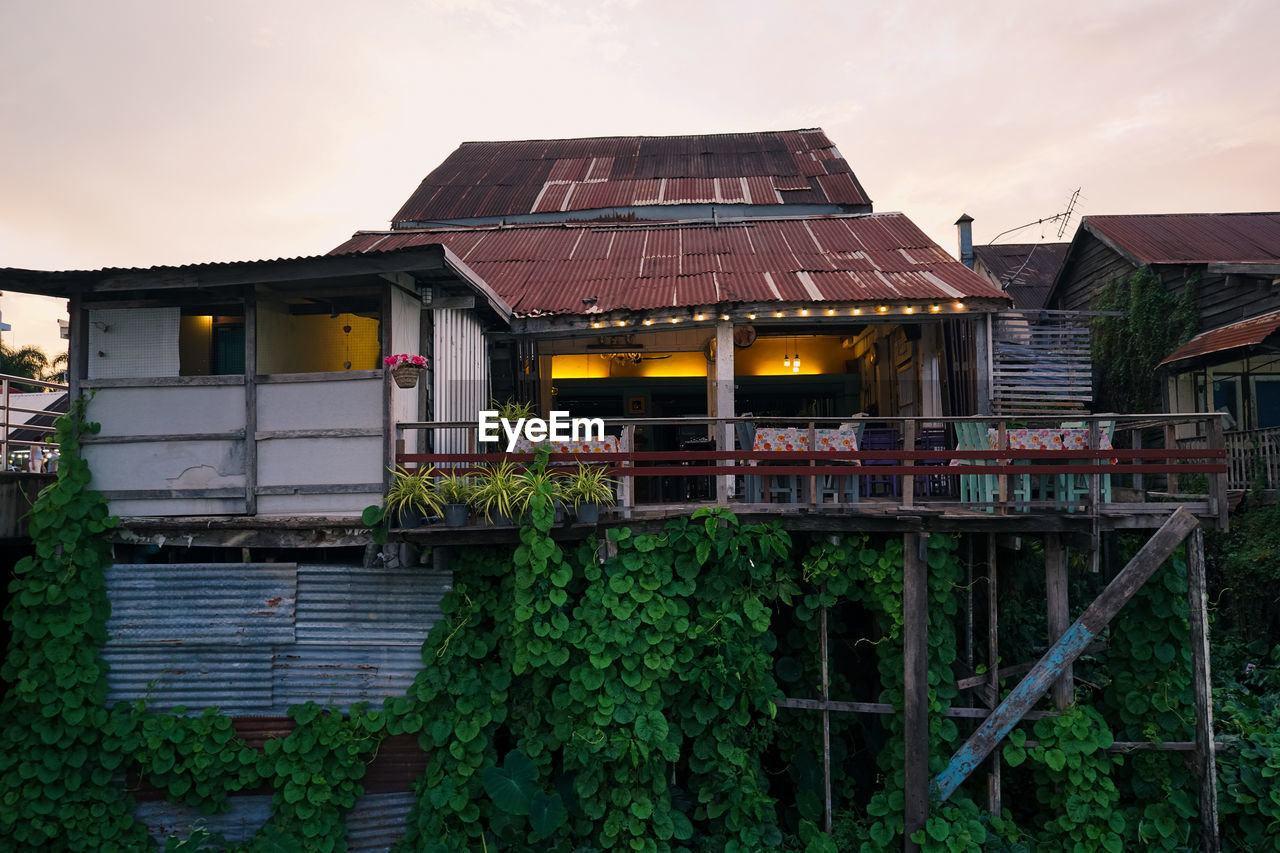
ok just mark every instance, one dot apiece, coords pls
pixel 1025 271
pixel 1229 264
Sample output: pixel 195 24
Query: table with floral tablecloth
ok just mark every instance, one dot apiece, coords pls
pixel 1051 438
pixel 608 445
pixel 775 439
pixel 797 438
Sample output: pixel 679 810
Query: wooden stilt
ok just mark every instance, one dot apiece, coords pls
pixel 1068 647
pixel 1206 763
pixel 993 663
pixel 1055 583
pixel 915 619
pixel 826 724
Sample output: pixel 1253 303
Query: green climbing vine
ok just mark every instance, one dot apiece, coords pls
pixel 1127 348
pixel 623 694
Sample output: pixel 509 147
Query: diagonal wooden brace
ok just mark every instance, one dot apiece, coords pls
pixel 1068 647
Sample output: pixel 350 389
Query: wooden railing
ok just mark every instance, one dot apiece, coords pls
pixel 1092 479
pixel 8 422
pixel 1253 457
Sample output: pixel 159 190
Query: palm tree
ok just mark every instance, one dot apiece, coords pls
pixel 29 361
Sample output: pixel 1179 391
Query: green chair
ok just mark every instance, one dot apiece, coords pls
pixel 975 488
pixel 1074 488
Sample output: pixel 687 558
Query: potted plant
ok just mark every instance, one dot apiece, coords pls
pixel 586 489
pixel 455 492
pixel 411 496
pixel 539 481
pixel 511 410
pixel 405 368
pixel 501 493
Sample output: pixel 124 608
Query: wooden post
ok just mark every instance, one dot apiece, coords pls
pixel 1137 478
pixel 1095 477
pixel 722 397
pixel 814 493
pixel 1055 585
pixel 251 401
pixel 1002 482
pixel 826 723
pixel 993 664
pixel 1206 763
pixel 908 480
pixel 1171 443
pixel 627 485
pixel 915 622
pixel 1068 647
pixel 1218 503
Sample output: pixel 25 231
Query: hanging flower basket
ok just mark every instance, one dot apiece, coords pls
pixel 405 368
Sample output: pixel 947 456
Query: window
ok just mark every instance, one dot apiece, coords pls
pixel 310 335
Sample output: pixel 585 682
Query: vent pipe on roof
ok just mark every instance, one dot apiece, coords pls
pixel 964 228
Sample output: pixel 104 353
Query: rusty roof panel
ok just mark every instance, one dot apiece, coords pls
pixel 462 186
pixel 1245 333
pixel 550 269
pixel 761 191
pixel 1186 238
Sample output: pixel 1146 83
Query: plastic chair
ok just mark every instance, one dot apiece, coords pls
pixel 746 435
pixel 933 438
pixel 975 488
pixel 840 487
pixel 879 438
pixel 1074 488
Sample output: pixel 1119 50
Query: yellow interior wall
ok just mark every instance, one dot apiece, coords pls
pixel 314 343
pixel 195 345
pixel 654 364
pixel 818 354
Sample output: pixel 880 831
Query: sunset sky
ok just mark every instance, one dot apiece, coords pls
pixel 144 133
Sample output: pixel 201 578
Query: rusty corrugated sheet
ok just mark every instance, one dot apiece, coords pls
pixel 256 638
pixel 1025 270
pixel 1185 238
pixel 485 179
pixel 541 269
pixel 1243 334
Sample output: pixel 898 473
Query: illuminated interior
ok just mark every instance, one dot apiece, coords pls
pixel 768 356
pixel 290 341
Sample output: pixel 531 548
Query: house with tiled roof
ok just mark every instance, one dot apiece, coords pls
pixel 1228 266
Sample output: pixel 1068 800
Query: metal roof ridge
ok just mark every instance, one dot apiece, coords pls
pixel 638 136
pixel 649 223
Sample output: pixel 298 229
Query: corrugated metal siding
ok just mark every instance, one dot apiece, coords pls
pixel 461 372
pixel 256 638
pixel 374 824
pixel 552 269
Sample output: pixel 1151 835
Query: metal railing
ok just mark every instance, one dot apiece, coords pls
pixel 1110 471
pixel 8 424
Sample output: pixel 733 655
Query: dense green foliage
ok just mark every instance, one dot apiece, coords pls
pixel 1126 349
pixel 624 695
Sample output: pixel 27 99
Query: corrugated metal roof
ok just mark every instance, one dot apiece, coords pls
pixel 551 269
pixel 1025 270
pixel 1243 334
pixel 482 179
pixel 1188 238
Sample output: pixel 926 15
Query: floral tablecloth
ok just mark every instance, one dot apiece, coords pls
pixel 608 445
pixel 797 438
pixel 1048 439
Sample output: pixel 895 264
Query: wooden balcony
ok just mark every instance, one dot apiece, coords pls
pixel 1107 472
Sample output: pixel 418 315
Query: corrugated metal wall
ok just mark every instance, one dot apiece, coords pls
pixel 461 375
pixel 256 638
pixel 374 824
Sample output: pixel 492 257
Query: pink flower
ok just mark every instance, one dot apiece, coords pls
pixel 404 359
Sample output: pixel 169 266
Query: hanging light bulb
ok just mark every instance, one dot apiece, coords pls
pixel 786 354
pixel 795 361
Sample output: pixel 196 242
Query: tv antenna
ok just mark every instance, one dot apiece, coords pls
pixel 1062 218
